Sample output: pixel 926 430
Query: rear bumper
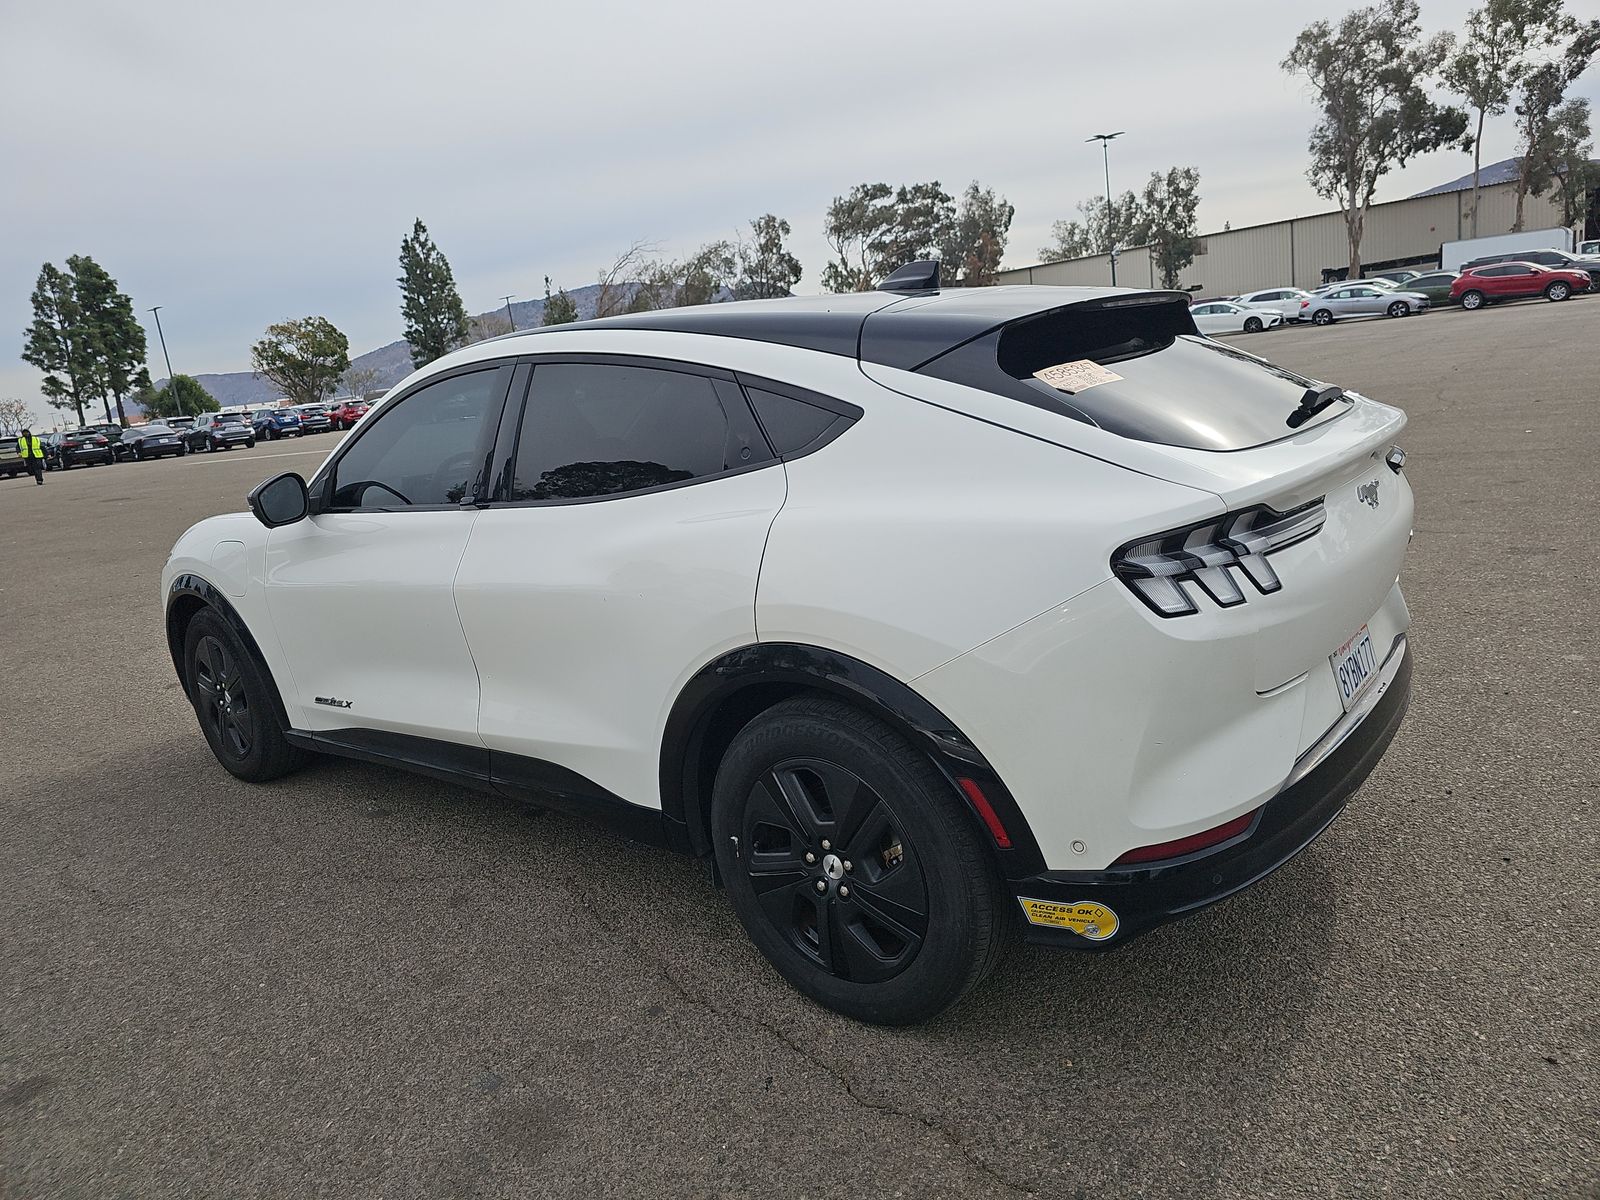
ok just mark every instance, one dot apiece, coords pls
pixel 1112 906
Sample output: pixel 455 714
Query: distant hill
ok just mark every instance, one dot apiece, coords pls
pixel 392 362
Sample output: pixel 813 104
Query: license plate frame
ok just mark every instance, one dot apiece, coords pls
pixel 1355 667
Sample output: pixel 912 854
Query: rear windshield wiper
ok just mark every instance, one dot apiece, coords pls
pixel 1313 402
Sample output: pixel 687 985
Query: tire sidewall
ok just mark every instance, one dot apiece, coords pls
pixel 1322 317
pixel 1254 325
pixel 1472 301
pixel 962 903
pixel 1399 309
pixel 1557 292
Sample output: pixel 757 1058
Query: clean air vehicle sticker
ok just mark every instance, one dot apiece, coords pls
pixel 1087 919
pixel 1077 376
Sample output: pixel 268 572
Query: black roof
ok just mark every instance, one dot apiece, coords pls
pixel 905 331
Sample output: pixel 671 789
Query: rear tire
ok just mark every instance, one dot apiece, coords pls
pixel 1557 291
pixel 1472 301
pixel 1253 325
pixel 1322 317
pixel 233 701
pixel 914 921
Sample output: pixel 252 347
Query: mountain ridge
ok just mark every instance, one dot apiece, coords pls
pixel 392 362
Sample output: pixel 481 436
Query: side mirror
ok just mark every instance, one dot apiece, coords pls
pixel 280 500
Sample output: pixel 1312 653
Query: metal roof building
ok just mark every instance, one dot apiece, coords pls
pixel 1308 251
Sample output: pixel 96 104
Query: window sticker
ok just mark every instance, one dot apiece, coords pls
pixel 1077 376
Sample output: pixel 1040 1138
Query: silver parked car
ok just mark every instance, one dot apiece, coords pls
pixel 1361 300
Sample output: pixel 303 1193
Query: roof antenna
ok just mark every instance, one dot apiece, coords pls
pixel 920 276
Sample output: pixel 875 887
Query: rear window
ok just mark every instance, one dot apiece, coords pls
pixel 1172 386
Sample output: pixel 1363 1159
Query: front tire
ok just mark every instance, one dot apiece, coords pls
pixel 1322 317
pixel 233 701
pixel 1472 301
pixel 1557 291
pixel 1399 309
pixel 910 913
pixel 1253 325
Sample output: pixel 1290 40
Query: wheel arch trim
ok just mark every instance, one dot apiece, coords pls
pixel 791 667
pixel 210 596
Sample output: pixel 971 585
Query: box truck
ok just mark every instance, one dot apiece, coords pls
pixel 1453 254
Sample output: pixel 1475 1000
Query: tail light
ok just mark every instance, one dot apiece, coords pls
pixel 1213 555
pixel 1305 304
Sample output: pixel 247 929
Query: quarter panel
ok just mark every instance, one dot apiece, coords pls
pixel 922 532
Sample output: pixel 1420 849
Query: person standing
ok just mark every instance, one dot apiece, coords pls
pixel 32 455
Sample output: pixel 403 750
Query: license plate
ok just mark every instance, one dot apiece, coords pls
pixel 1355 666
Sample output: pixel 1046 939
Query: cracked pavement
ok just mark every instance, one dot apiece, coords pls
pixel 354 982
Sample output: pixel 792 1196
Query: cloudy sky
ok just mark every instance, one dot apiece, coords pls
pixel 242 164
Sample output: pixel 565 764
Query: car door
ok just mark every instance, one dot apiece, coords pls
pixel 1211 318
pixel 619 556
pixel 1519 279
pixel 360 592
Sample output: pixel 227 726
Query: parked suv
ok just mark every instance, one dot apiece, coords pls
pixel 77 447
pixel 11 463
pixel 925 617
pixel 219 431
pixel 314 418
pixel 271 424
pixel 348 413
pixel 1551 259
pixel 1514 281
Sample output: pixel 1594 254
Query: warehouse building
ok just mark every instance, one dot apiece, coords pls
pixel 1309 251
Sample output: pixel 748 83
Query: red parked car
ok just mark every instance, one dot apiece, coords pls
pixel 1515 281
pixel 346 414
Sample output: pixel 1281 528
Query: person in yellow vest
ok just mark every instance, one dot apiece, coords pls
pixel 32 455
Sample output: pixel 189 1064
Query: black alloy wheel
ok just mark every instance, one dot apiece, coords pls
pixel 221 700
pixel 1399 309
pixel 834 870
pixel 1253 325
pixel 235 701
pixel 1322 317
pixel 853 865
pixel 1557 291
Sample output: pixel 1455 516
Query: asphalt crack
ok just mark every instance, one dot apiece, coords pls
pixel 687 994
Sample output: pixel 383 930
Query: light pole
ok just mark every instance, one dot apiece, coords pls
pixel 172 380
pixel 1105 153
pixel 509 317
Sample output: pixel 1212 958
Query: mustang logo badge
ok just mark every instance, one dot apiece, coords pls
pixel 1367 493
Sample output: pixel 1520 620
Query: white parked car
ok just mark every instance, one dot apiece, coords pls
pixel 925 617
pixel 1285 301
pixel 1224 316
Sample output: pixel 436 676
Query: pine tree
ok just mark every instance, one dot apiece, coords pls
pixel 115 338
pixel 56 343
pixel 559 309
pixel 436 320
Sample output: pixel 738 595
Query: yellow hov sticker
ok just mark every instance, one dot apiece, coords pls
pixel 1093 921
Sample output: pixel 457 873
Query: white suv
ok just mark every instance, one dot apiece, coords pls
pixel 922 615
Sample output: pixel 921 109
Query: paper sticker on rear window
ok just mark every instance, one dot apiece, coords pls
pixel 1076 376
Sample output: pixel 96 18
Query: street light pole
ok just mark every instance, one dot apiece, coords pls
pixel 509 317
pixel 172 380
pixel 1105 152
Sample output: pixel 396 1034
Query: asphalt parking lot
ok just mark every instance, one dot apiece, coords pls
pixel 354 982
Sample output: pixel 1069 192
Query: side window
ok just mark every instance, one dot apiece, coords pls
pixel 1515 270
pixel 424 449
pixel 598 429
pixel 791 425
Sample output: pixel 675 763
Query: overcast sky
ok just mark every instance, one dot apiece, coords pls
pixel 242 164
